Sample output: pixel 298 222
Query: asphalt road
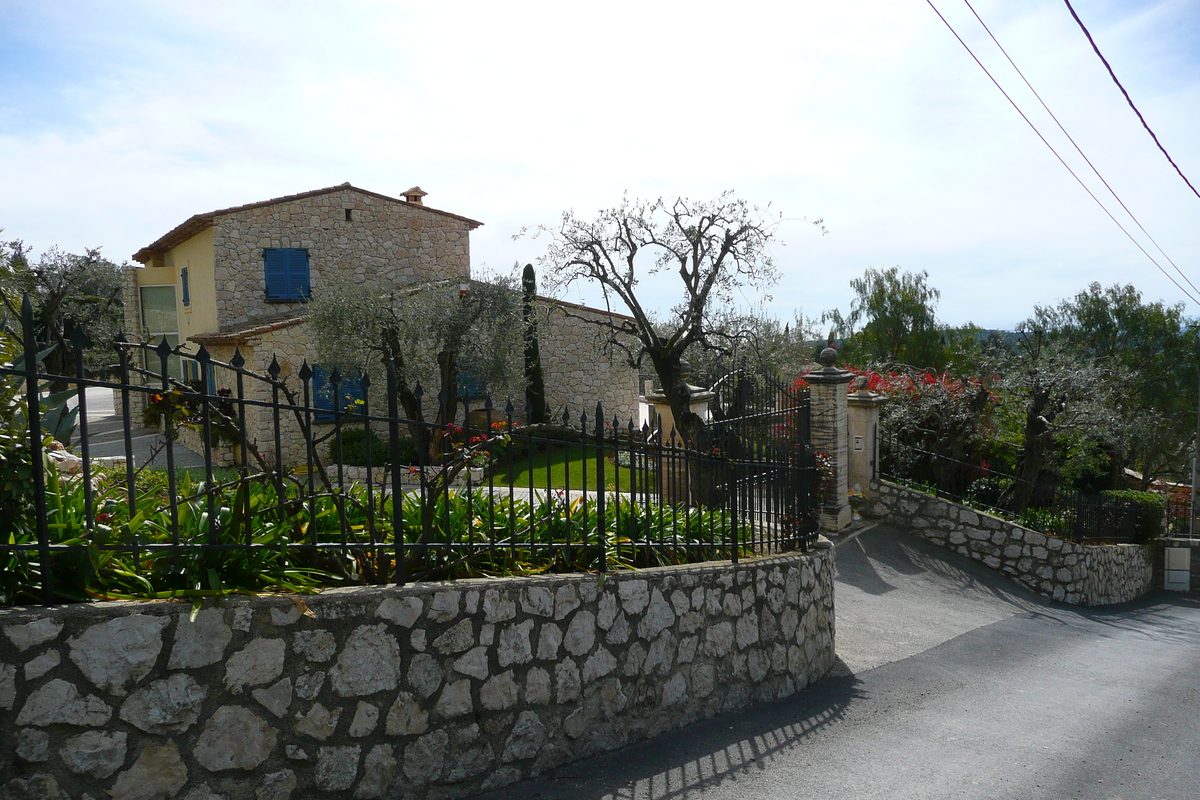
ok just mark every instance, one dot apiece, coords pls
pixel 952 683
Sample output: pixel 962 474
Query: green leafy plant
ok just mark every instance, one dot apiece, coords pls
pixel 1151 507
pixel 125 553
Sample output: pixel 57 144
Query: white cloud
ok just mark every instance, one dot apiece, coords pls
pixel 127 118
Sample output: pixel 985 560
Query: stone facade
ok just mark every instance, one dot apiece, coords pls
pixel 581 368
pixel 385 243
pixel 579 372
pixel 1085 575
pixel 429 690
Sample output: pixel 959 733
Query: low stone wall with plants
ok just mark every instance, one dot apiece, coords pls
pixel 427 690
pixel 1079 574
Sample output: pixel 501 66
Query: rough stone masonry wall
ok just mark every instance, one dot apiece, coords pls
pixel 387 243
pixel 429 690
pixel 1085 575
pixel 581 368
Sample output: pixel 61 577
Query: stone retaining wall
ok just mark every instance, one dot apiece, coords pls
pixel 430 690
pixel 1086 575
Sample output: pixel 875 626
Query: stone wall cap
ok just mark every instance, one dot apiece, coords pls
pixel 828 375
pixel 694 393
pixel 866 398
pixel 579 306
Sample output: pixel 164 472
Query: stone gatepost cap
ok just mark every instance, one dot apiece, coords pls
pixel 828 372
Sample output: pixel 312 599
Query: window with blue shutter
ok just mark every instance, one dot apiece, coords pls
pixel 349 392
pixel 286 272
pixel 468 383
pixel 187 290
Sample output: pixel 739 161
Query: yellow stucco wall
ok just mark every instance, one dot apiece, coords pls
pixel 196 254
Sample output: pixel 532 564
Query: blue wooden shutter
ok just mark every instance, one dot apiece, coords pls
pixel 187 292
pixel 297 286
pixel 275 269
pixel 352 390
pixel 349 390
pixel 322 393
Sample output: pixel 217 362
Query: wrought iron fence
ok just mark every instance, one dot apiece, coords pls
pixel 1179 522
pixel 1070 514
pixel 478 495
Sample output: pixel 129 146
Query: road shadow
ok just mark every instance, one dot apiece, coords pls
pixel 701 755
pixel 965 580
pixel 1166 610
pixel 855 567
pixel 914 558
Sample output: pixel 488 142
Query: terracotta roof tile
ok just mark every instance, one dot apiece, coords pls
pixel 244 332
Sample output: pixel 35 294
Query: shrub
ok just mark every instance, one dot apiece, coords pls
pixel 986 492
pixel 354 449
pixel 1151 507
pixel 1047 521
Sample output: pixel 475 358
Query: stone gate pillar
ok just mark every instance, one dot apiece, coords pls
pixel 864 436
pixel 830 434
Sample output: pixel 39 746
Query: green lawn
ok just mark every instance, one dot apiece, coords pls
pixel 555 464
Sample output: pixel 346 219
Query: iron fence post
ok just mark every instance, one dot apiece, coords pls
pixel 398 574
pixel 163 351
pixel 80 341
pixel 601 488
pixel 37 457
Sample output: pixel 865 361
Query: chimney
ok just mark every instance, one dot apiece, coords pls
pixel 414 196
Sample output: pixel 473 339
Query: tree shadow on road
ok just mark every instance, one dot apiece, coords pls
pixel 687 761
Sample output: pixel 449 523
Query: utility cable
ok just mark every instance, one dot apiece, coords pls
pixel 1078 149
pixel 1113 75
pixel 1067 166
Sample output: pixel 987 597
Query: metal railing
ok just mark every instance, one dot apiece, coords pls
pixel 483 496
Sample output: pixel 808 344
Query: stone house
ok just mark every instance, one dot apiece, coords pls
pixel 237 279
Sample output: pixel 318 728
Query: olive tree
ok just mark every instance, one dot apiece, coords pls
pixel 1060 400
pixel 716 247
pixel 67 291
pixel 427 333
pixel 1151 351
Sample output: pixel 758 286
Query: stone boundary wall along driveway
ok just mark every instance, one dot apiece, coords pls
pixel 424 691
pixel 1079 574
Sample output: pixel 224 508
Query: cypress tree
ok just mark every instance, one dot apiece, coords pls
pixel 535 385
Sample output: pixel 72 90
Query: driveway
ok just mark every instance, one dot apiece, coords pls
pixel 952 683
pixel 898 596
pixel 106 436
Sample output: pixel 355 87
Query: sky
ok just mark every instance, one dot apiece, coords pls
pixel 119 120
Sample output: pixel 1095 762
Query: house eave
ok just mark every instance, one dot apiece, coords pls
pixel 200 222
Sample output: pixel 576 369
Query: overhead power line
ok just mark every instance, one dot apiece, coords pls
pixel 1129 100
pixel 1066 166
pixel 1078 149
